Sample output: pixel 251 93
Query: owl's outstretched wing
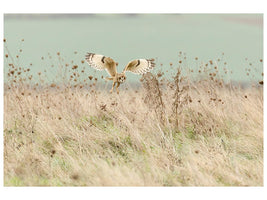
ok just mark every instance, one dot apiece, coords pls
pixel 101 62
pixel 140 66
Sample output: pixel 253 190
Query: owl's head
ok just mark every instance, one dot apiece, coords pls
pixel 121 78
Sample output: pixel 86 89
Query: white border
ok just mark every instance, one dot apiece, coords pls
pixel 134 6
pixel 135 193
pixel 124 6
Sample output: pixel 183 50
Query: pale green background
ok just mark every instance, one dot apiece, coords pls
pixel 126 37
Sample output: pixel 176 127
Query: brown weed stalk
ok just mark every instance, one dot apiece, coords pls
pixel 153 95
pixel 180 97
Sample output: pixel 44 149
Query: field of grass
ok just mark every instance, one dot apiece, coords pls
pixel 179 132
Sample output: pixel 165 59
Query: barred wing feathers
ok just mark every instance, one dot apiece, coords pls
pixel 100 62
pixel 140 66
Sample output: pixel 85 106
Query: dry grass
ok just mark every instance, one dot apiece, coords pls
pixel 167 133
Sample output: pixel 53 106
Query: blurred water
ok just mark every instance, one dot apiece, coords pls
pixel 127 37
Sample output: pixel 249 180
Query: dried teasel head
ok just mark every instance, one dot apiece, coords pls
pixel 74 66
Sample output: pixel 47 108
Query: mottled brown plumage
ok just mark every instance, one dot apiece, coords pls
pixel 100 62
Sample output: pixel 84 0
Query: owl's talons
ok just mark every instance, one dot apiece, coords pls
pixel 118 92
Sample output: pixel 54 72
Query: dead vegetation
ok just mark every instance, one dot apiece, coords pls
pixel 179 132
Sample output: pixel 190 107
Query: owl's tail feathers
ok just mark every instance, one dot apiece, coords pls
pixel 109 78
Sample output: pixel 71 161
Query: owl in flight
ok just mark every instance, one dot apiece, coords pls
pixel 100 62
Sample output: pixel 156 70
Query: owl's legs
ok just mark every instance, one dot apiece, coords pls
pixel 112 87
pixel 118 85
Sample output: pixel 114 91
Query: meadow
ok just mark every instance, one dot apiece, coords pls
pixel 195 129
